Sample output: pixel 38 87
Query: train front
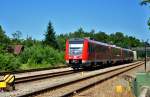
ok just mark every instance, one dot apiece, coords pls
pixel 75 53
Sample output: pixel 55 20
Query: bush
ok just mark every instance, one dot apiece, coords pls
pixel 39 54
pixel 8 62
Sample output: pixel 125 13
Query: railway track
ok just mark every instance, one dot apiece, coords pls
pixel 69 86
pixel 31 70
pixel 35 75
pixel 86 81
pixel 43 76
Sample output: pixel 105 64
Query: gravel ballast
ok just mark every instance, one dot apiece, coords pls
pixel 108 88
pixel 23 88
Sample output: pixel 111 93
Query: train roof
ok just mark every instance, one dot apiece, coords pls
pixel 97 42
pixel 126 49
pixel 105 44
pixel 76 39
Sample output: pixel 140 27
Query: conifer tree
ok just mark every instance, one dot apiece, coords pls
pixel 50 38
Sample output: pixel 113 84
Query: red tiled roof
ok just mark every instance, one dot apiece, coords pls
pixel 18 49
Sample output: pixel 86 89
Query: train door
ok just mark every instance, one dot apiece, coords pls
pixel 95 54
pixel 122 58
pixel 109 54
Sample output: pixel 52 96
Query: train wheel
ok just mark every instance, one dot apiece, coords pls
pixel 75 68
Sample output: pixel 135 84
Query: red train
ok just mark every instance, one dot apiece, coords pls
pixel 87 53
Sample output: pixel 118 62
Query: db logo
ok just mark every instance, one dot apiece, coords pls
pixel 75 57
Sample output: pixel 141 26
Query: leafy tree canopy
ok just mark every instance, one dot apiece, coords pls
pixel 4 39
pixel 16 37
pixel 146 2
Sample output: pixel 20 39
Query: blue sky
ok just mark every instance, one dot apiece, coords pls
pixel 32 16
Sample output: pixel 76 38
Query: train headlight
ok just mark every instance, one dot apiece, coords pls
pixel 67 61
pixel 83 61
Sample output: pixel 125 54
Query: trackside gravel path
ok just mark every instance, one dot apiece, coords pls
pixel 108 88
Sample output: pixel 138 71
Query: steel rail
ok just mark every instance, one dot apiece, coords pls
pixel 68 94
pixel 30 70
pixel 43 76
pixel 124 68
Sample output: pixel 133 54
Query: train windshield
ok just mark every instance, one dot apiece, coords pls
pixel 75 47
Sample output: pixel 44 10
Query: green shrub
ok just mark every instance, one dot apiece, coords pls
pixel 8 62
pixel 39 54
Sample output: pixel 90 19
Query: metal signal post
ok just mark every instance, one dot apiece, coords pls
pixel 146 53
pixel 145 56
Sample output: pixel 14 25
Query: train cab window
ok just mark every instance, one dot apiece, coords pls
pixel 75 47
pixel 75 50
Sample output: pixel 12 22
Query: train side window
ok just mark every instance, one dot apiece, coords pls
pixel 93 48
pixel 98 48
pixel 101 48
pixel 90 47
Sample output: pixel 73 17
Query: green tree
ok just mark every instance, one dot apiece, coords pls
pixel 101 36
pixel 28 42
pixel 16 37
pixel 50 38
pixel 146 2
pixel 92 33
pixel 61 39
pixel 4 39
pixel 117 38
pixel 77 34
pixel 121 40
pixel 148 23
